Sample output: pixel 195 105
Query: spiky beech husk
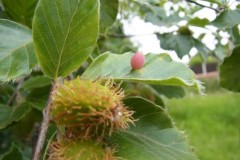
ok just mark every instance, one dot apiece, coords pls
pixel 79 150
pixel 88 109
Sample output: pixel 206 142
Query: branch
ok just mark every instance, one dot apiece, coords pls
pixel 15 93
pixel 201 5
pixel 44 128
pixel 129 36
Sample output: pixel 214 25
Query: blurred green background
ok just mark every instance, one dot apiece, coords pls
pixel 211 122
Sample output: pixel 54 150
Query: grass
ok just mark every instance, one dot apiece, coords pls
pixel 212 124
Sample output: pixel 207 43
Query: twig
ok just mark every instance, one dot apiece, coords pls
pixel 201 5
pixel 15 93
pixel 44 128
pixel 129 36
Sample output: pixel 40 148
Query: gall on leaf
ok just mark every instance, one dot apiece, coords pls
pixel 137 61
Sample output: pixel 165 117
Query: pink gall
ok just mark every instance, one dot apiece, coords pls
pixel 137 61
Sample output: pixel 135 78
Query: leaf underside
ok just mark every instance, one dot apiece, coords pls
pixel 12 114
pixel 17 57
pixel 229 71
pixel 64 34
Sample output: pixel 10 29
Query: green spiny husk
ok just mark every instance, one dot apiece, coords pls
pixel 79 150
pixel 88 109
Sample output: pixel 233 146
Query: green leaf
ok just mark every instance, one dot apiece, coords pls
pixel 227 19
pixel 2 12
pixel 6 91
pixel 170 91
pixel 28 122
pixel 36 82
pixel 234 31
pixel 143 90
pixel 182 44
pixel 219 2
pixel 65 33
pixel 17 56
pixel 109 10
pixel 13 154
pixel 198 22
pixel 158 69
pixel 153 136
pixel 222 52
pixel 202 49
pixel 37 98
pixel 37 91
pixel 12 114
pixel 166 21
pixel 230 70
pixel 148 1
pixel 5 141
pixel 21 11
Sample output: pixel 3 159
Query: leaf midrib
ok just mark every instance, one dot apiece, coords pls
pixel 64 42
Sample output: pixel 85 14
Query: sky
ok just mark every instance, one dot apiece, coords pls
pixel 149 43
